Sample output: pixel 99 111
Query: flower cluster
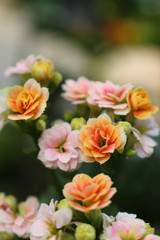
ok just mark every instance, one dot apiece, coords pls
pixel 16 219
pixel 110 122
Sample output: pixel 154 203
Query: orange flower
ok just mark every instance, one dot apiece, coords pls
pixel 140 103
pixel 85 193
pixel 99 138
pixel 28 102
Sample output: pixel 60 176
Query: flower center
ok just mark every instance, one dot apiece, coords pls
pixel 61 148
pixel 101 142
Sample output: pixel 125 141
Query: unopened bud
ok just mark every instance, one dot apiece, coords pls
pixel 11 201
pixel 77 123
pixel 6 236
pixel 68 115
pixel 41 125
pixel 85 231
pixel 131 152
pixel 57 78
pixel 21 208
pixel 64 203
pixel 149 230
pixel 43 72
pixel 127 127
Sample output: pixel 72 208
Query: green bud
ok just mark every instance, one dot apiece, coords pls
pixel 85 232
pixel 6 236
pixel 64 203
pixel 131 152
pixel 149 230
pixel 57 78
pixel 77 123
pixel 68 115
pixel 43 72
pixel 41 125
pixel 126 126
pixel 21 208
pixel 67 236
pixel 11 201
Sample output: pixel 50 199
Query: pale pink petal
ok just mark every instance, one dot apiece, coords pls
pixel 39 228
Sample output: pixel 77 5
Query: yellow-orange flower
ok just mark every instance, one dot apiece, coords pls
pixel 99 138
pixel 85 193
pixel 28 102
pixel 140 103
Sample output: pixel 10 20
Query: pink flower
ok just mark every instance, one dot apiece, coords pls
pixel 77 91
pixel 49 222
pixel 152 237
pixel 28 213
pixel 22 67
pixel 124 226
pixel 7 216
pixel 59 147
pixel 109 95
pixel 142 130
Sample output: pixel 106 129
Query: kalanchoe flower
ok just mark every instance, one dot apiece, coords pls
pixel 29 102
pixel 99 138
pixel 140 104
pixel 123 227
pixel 27 214
pixel 109 95
pixel 143 130
pixel 77 91
pixel 49 222
pixel 59 147
pixel 152 237
pixel 7 216
pixel 85 193
pixel 22 67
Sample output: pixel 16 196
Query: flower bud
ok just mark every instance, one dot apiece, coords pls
pixel 77 123
pixel 149 230
pixel 6 236
pixel 21 208
pixel 64 203
pixel 41 125
pixel 43 72
pixel 68 115
pixel 127 127
pixel 11 201
pixel 85 232
pixel 57 78
pixel 131 152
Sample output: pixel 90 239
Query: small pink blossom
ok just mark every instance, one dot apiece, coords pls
pixel 49 222
pixel 59 147
pixel 77 91
pixel 7 216
pixel 142 130
pixel 109 95
pixel 152 237
pixel 123 226
pixel 22 67
pixel 23 222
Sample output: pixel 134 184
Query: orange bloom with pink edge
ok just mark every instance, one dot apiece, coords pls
pixel 99 138
pixel 85 193
pixel 28 102
pixel 140 103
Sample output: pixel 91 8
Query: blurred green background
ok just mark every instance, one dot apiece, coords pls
pixel 105 39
